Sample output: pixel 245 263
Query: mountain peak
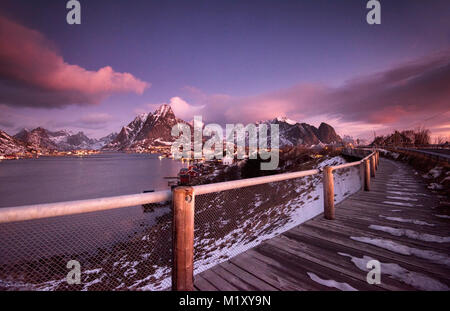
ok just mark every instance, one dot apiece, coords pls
pixel 142 116
pixel 327 134
pixel 286 120
pixel 163 110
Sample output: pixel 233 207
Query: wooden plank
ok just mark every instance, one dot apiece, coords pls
pixel 353 226
pixel 377 218
pixel 327 255
pixel 202 284
pixel 248 278
pixel 374 211
pixel 378 203
pixel 218 281
pixel 332 265
pixel 342 239
pixel 288 267
pixel 266 272
pixel 232 279
pixel 360 250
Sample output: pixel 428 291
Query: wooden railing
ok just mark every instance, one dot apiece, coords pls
pixel 183 203
pixel 435 156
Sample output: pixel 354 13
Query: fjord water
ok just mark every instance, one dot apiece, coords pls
pixel 55 179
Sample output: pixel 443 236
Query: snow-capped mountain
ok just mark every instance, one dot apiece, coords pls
pixel 127 135
pixel 100 143
pixel 41 139
pixel 154 130
pixel 38 139
pixel 11 146
pixel 293 133
pixel 147 130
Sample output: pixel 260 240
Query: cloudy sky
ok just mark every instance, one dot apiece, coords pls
pixel 229 61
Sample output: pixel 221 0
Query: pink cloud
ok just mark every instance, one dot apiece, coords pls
pixel 34 74
pixel 410 94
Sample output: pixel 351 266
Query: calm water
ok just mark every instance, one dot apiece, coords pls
pixel 54 179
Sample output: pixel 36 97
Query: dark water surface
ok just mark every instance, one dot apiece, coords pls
pixel 55 179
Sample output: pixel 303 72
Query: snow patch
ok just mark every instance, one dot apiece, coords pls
pixel 434 172
pixel 331 283
pixel 402 198
pixel 397 272
pixel 442 216
pixel 435 186
pixel 406 250
pixel 412 221
pixel 412 234
pixel 400 203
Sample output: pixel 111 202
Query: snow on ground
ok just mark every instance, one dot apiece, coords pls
pixel 406 250
pixel 397 272
pixel 147 284
pixel 401 203
pixel 412 234
pixel 331 283
pixel 434 172
pixel 442 216
pixel 402 198
pixel 435 186
pixel 384 152
pixel 407 193
pixel 412 221
pixel 402 185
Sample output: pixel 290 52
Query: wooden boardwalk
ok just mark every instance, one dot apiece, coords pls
pixel 395 223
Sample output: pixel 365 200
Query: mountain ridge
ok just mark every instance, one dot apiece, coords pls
pixel 152 131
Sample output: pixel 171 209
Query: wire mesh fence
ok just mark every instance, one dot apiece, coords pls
pixel 121 249
pixel 131 248
pixel 228 223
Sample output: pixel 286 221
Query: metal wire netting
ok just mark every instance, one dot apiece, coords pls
pixel 122 249
pixel 228 223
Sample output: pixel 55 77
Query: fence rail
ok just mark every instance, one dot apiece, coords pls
pixel 38 211
pixel 183 201
pixel 427 154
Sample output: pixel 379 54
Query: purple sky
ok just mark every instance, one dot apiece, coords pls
pixel 229 61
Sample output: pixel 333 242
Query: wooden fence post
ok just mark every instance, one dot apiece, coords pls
pixel 366 175
pixel 328 192
pixel 372 166
pixel 183 200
